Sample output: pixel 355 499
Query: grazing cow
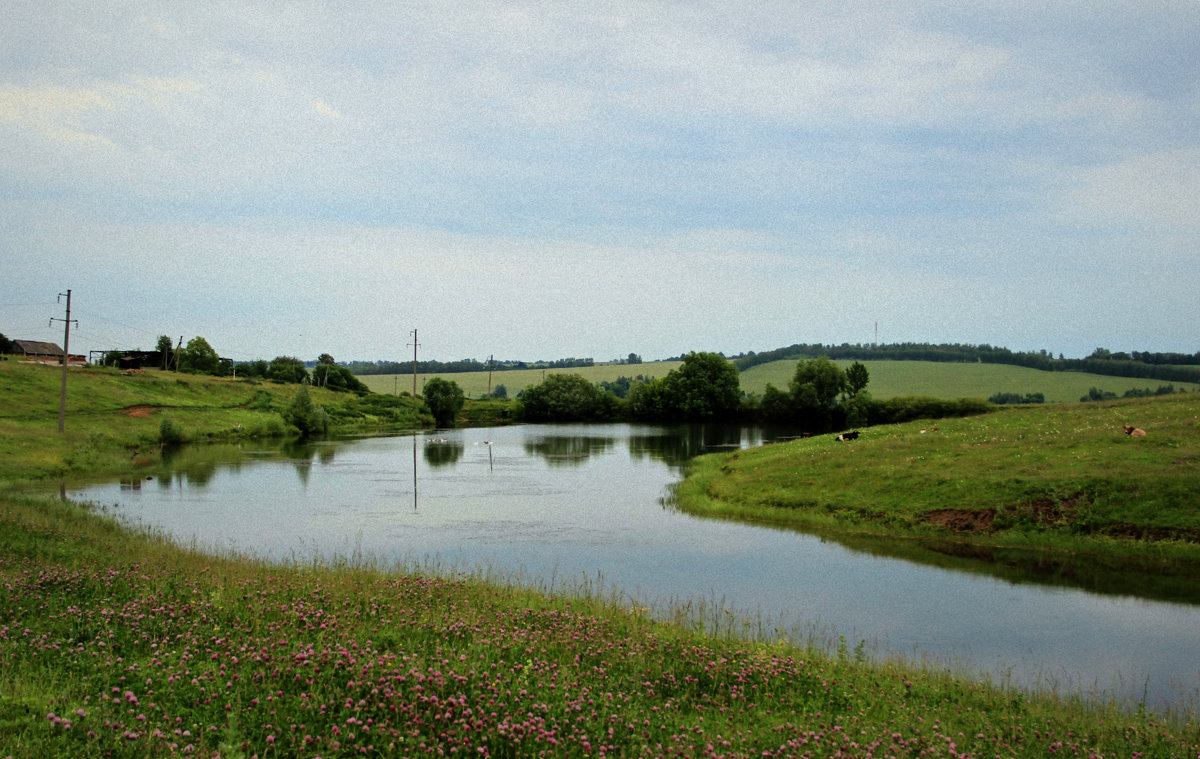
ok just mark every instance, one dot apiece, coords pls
pixel 1132 431
pixel 847 436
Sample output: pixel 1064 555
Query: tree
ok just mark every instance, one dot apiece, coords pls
pixel 444 399
pixel 307 417
pixel 565 398
pixel 164 346
pixel 500 392
pixel 6 345
pixel 198 357
pixel 857 378
pixel 325 358
pixel 287 369
pixel 815 389
pixel 705 388
pixel 633 359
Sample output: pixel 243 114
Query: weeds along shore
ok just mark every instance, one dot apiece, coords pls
pixel 118 643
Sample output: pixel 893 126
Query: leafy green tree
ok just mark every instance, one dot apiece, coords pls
pixel 500 392
pixel 565 398
pixel 857 378
pixel 287 369
pixel 325 358
pixel 6 345
pixel 307 417
pixel 338 378
pixel 444 399
pixel 165 348
pixel 817 383
pixel 633 358
pixel 815 388
pixel 704 388
pixel 198 357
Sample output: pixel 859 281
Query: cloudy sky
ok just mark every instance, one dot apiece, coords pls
pixel 540 180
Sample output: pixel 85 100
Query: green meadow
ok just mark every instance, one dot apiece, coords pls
pixel 115 419
pixel 888 379
pixel 120 643
pixel 1056 477
pixel 475 384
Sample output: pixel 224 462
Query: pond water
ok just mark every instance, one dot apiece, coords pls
pixel 588 506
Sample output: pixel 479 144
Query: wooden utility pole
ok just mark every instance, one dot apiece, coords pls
pixel 491 363
pixel 414 347
pixel 66 359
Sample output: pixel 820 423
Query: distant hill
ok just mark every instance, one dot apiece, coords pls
pixel 938 379
pixel 960 380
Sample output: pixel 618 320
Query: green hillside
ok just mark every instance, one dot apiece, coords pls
pixel 888 379
pixel 475 384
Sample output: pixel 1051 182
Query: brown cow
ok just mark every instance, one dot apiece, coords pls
pixel 1132 431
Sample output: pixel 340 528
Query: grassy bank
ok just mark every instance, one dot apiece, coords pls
pixel 118 644
pixel 114 419
pixel 1062 476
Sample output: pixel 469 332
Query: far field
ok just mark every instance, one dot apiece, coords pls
pixel 888 379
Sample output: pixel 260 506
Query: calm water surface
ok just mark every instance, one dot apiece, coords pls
pixel 588 504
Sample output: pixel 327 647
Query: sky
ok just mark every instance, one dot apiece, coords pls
pixel 541 180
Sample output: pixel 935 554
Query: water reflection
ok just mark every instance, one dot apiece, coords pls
pixel 441 452
pixel 568 450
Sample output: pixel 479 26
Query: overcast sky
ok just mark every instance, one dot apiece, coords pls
pixel 543 180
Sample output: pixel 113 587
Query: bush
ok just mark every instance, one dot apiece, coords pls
pixel 169 432
pixel 308 418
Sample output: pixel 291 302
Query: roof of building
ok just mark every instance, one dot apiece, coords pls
pixel 36 348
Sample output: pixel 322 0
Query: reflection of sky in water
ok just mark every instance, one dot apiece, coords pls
pixel 585 503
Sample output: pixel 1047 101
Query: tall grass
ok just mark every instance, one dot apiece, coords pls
pixel 118 644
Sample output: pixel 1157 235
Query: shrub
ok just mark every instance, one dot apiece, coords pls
pixel 169 432
pixel 308 418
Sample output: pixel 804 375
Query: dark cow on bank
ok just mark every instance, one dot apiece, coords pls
pixel 847 436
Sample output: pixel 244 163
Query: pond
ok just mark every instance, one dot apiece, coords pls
pixel 568 507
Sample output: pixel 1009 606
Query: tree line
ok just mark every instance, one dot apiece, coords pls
pixel 821 397
pixel 460 366
pixel 1170 367
pixel 199 357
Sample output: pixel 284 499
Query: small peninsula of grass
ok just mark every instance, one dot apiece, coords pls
pixel 1062 477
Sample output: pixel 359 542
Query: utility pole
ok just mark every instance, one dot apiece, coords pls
pixel 491 363
pixel 414 347
pixel 66 360
pixel 177 351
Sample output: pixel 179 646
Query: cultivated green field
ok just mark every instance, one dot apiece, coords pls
pixel 945 380
pixel 888 379
pixel 475 384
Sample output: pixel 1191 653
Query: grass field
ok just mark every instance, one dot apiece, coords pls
pixel 888 379
pixel 114 418
pixel 475 384
pixel 119 644
pixel 1058 476
pixel 945 380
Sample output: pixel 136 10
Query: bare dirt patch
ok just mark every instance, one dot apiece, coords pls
pixel 139 411
pixel 962 520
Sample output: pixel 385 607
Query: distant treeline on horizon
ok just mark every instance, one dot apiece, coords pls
pixel 1170 367
pixel 457 367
